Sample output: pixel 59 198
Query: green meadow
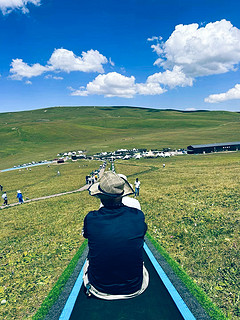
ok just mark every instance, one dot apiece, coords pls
pixel 192 208
pixel 38 240
pixel 191 205
pixel 41 134
pixel 43 180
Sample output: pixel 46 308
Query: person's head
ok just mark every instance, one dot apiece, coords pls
pixel 137 179
pixel 109 201
pixel 110 189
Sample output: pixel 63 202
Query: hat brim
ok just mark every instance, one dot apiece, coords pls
pixel 95 191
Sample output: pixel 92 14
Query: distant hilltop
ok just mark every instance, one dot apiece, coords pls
pixel 42 134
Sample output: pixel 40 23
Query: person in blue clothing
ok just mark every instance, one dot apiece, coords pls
pixel 20 197
pixel 115 233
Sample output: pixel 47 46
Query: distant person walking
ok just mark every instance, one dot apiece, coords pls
pixel 5 199
pixel 58 173
pixel 164 165
pixel 137 187
pixel 19 196
pixel 1 187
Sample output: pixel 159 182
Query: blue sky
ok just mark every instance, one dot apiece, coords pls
pixel 148 53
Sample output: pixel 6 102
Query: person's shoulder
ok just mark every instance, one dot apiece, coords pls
pixel 92 213
pixel 131 202
pixel 138 213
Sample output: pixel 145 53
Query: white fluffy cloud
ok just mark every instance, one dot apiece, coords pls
pixel 149 89
pixel 203 51
pixel 61 60
pixel 114 84
pixel 172 79
pixel 65 60
pixel 22 70
pixel 6 6
pixel 231 94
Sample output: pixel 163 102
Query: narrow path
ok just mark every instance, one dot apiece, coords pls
pixel 166 297
pixel 85 187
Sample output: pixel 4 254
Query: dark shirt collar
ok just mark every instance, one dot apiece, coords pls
pixel 114 205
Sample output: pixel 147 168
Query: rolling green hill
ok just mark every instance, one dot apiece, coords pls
pixel 41 134
pixel 191 206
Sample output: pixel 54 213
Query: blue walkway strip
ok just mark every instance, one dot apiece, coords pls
pixel 182 307
pixel 27 166
pixel 68 308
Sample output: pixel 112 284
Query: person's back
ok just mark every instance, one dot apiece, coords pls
pixel 19 196
pixel 115 239
pixel 115 233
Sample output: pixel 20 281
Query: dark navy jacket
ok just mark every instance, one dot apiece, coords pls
pixel 115 239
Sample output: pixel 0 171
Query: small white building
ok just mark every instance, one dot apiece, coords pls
pixel 149 154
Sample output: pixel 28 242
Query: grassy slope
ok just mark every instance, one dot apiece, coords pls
pixel 43 180
pixel 191 207
pixel 39 134
pixel 192 210
pixel 37 242
pixel 193 190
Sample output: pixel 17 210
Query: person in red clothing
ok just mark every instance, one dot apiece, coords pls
pixel 115 233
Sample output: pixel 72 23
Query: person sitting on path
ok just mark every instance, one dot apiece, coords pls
pixel 115 233
pixel 5 199
pixel 137 187
pixel 20 197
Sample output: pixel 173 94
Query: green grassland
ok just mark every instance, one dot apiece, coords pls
pixel 192 209
pixel 43 180
pixel 37 242
pixel 191 206
pixel 40 134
